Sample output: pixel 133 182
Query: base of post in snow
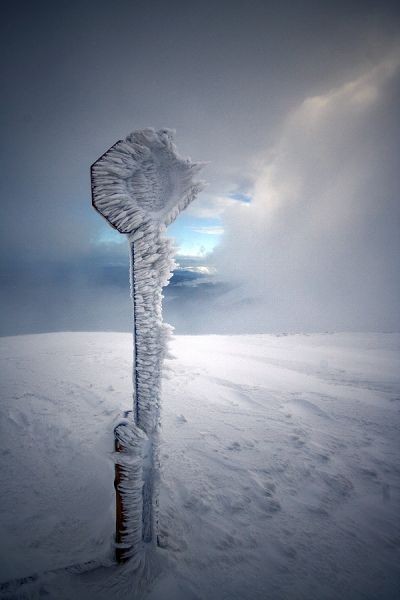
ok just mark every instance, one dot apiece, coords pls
pixel 129 442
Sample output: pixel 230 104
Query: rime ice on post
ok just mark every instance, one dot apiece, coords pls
pixel 140 185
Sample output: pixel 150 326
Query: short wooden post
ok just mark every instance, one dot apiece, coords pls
pixel 120 552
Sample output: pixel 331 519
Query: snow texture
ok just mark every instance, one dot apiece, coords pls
pixel 140 185
pixel 280 476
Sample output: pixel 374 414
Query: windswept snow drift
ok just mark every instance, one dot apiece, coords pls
pixel 279 454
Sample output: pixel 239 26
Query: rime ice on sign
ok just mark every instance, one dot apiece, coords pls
pixel 142 180
pixel 140 185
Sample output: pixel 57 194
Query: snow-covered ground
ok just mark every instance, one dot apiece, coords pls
pixel 280 467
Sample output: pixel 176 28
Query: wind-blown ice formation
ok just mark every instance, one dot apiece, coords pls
pixel 140 185
pixel 142 179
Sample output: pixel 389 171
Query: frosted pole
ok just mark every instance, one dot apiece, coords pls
pixel 140 185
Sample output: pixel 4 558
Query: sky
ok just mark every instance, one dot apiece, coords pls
pixel 294 105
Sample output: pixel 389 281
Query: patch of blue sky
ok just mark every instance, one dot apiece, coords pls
pixel 241 197
pixel 108 235
pixel 195 236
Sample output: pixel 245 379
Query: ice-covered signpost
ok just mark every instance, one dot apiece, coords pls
pixel 140 185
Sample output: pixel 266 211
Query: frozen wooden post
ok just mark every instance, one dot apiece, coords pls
pixel 140 185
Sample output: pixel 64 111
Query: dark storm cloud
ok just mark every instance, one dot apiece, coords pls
pixel 93 295
pixel 79 75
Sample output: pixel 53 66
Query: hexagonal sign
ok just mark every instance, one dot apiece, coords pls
pixel 143 179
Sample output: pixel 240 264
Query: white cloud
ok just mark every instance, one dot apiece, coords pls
pixel 318 246
pixel 210 230
pixel 202 269
pixel 211 207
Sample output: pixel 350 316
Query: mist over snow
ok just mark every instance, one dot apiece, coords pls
pixel 308 242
